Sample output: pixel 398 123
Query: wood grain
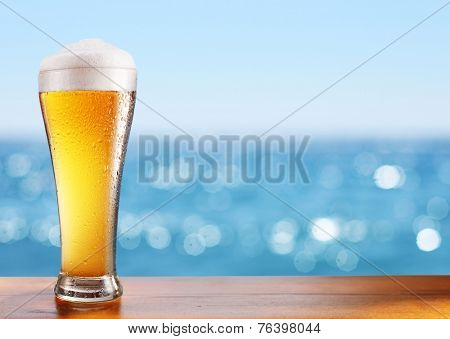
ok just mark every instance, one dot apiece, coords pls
pixel 240 297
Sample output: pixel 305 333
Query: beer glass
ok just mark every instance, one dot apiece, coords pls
pixel 87 94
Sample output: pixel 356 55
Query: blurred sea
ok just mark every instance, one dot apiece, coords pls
pixel 388 200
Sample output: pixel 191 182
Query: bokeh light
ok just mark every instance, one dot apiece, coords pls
pixel 54 236
pixel 283 236
pixel 346 260
pixel 389 177
pixel 158 237
pixel 387 204
pixel 428 240
pixel 324 229
pixel 194 244
pixel 211 234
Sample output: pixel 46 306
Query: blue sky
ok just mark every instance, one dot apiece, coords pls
pixel 241 66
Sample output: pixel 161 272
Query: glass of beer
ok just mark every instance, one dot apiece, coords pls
pixel 87 93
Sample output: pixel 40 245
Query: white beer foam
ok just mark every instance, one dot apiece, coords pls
pixel 90 64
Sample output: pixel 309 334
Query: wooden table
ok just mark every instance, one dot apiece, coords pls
pixel 240 297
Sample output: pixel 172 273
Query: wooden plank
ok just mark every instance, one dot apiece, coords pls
pixel 241 297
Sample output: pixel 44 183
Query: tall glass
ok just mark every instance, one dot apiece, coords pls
pixel 88 114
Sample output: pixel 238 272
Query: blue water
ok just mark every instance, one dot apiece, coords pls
pixel 402 230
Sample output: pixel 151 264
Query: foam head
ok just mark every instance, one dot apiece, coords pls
pixel 90 64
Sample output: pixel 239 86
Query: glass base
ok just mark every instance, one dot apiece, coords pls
pixel 88 289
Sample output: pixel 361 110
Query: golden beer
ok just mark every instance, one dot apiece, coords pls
pixel 87 133
pixel 87 93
